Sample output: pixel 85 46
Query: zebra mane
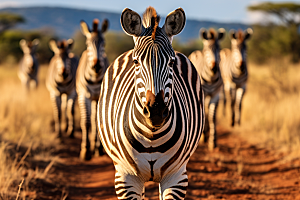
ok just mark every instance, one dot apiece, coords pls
pixel 95 25
pixel 213 34
pixel 240 35
pixel 151 19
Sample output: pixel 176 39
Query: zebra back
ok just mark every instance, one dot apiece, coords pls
pixel 62 68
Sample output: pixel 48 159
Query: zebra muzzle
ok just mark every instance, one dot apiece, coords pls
pixel 155 110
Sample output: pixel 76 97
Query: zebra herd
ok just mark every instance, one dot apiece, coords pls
pixel 149 103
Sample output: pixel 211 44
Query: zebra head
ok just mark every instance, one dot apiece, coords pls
pixel 211 47
pixel 29 50
pixel 238 46
pixel 63 56
pixel 95 44
pixel 153 59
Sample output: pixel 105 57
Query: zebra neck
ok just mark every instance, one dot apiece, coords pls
pixel 141 130
pixel 210 75
pixel 91 75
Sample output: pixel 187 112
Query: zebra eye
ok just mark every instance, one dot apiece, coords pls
pixel 171 63
pixel 135 62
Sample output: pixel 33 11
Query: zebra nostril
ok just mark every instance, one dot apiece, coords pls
pixel 165 113
pixel 146 112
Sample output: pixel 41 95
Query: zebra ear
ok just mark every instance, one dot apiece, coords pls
pixel 232 34
pixel 53 46
pixel 105 25
pixel 70 43
pixel 174 23
pixel 221 33
pixel 248 33
pixel 85 29
pixel 35 42
pixel 24 46
pixel 131 22
pixel 203 33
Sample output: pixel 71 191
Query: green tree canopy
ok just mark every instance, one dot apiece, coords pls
pixel 8 20
pixel 288 13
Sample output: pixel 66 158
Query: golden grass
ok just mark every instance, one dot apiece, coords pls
pixel 25 131
pixel 271 106
pixel 270 116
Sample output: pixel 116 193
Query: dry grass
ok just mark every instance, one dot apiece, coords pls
pixel 25 133
pixel 271 106
pixel 270 116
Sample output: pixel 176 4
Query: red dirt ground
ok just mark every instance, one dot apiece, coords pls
pixel 237 169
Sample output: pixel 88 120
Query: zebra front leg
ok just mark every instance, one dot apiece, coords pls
pixel 56 105
pixel 212 140
pixel 174 186
pixel 238 104
pixel 70 113
pixel 96 147
pixel 129 186
pixel 233 98
pixel 85 123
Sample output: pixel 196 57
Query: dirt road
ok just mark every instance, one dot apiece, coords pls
pixel 236 170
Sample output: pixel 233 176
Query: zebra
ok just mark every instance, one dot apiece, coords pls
pixel 207 64
pixel 234 72
pixel 60 80
pixel 151 108
pixel 92 66
pixel 29 66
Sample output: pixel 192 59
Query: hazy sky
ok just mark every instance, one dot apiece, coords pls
pixel 217 10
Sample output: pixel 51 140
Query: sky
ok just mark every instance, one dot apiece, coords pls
pixel 216 10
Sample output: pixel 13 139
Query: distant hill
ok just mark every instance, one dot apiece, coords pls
pixel 65 21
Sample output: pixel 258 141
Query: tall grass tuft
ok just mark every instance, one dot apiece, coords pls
pixel 271 105
pixel 26 133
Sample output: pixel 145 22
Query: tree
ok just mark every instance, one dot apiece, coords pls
pixel 289 14
pixel 8 20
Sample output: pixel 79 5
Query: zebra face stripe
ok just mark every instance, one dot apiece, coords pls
pixel 238 52
pixel 153 60
pixel 95 51
pixel 211 52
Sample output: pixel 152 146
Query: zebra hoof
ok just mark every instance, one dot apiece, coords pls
pixel 212 146
pixel 85 155
pixel 70 134
pixel 98 152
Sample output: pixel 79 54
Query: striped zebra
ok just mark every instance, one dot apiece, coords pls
pixel 207 64
pixel 234 72
pixel 29 66
pixel 92 66
pixel 60 80
pixel 151 108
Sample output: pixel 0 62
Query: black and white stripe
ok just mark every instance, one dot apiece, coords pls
pixel 151 109
pixel 29 66
pixel 235 73
pixel 207 64
pixel 92 66
pixel 61 80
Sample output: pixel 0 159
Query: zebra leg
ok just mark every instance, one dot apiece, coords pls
pixel 233 98
pixel 223 93
pixel 96 147
pixel 238 105
pixel 129 186
pixel 85 123
pixel 56 105
pixel 174 186
pixel 212 140
pixel 70 113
